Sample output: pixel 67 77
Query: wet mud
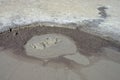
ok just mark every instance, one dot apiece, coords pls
pixel 87 45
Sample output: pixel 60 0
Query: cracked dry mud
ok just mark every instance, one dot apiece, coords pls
pixel 52 61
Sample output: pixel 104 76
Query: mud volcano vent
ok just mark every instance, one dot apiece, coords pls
pixel 44 43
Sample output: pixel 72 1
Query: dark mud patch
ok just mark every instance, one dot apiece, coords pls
pixel 87 44
pixel 103 13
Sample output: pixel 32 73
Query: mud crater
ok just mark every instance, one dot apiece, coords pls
pixel 87 45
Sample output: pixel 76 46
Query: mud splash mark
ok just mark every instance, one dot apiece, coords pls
pixel 103 13
pixel 88 45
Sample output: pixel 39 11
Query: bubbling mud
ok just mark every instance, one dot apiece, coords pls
pixel 50 46
pixel 90 46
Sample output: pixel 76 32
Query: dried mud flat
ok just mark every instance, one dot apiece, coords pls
pixel 93 48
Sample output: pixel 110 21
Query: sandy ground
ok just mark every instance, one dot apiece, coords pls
pixel 92 58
